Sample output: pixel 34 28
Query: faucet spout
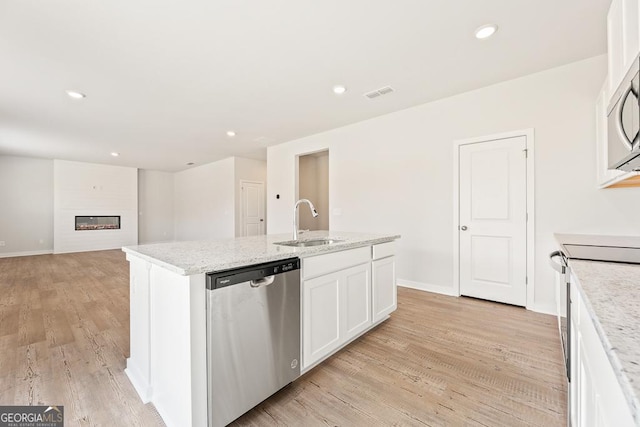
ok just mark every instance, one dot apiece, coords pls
pixel 314 212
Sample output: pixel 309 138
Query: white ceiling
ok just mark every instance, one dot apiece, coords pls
pixel 165 79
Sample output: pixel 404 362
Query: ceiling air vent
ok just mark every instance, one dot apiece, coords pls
pixel 379 92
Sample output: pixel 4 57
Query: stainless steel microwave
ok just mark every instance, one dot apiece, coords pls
pixel 623 120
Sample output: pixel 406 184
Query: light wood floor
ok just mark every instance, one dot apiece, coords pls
pixel 439 361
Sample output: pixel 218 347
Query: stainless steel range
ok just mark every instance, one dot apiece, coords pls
pixel 596 247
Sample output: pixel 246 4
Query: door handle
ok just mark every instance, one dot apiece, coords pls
pixel 463 228
pixel 619 111
pixel 265 281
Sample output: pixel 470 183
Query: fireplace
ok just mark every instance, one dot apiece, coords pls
pixel 97 223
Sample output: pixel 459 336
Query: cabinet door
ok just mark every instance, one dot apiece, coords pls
pixel 587 398
pixel 630 32
pixel 615 49
pixel 356 300
pixel 320 317
pixel 384 287
pixel 623 39
pixel 575 386
pixel 575 363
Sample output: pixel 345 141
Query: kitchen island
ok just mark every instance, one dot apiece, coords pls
pixel 167 363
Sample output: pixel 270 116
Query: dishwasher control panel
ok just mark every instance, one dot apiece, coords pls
pixel 221 279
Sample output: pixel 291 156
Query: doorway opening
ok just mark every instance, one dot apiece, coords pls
pixel 313 184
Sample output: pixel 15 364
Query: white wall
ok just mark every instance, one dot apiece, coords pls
pixel 26 206
pixel 393 174
pixel 247 170
pixel 156 221
pixel 87 189
pixel 208 197
pixel 205 201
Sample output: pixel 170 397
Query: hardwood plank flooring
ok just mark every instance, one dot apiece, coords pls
pixel 64 337
pixel 439 361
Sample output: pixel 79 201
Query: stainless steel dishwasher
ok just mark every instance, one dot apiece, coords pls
pixel 253 336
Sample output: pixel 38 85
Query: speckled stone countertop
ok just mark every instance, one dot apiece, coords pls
pixel 612 295
pixel 195 257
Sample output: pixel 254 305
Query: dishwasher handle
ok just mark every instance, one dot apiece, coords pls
pixel 264 281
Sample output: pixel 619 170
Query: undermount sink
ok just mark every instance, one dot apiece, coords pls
pixel 306 243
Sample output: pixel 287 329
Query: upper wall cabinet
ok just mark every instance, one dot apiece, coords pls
pixel 623 39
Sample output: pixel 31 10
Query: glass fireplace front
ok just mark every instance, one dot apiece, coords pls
pixel 98 222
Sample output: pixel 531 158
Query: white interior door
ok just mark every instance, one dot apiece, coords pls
pixel 252 208
pixel 493 220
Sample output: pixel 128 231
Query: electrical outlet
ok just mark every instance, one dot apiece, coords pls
pixel 2 243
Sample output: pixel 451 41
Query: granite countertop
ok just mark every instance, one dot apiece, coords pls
pixel 612 295
pixel 196 257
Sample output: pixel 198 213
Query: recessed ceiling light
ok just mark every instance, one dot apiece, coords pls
pixel 339 90
pixel 486 31
pixel 76 95
pixel 114 154
pixel 231 133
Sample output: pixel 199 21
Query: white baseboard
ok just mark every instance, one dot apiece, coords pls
pixel 144 390
pixel 25 253
pixel 445 290
pixel 544 309
pixel 76 251
pixel 428 287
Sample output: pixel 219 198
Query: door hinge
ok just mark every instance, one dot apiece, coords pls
pixel 527 217
pixel 526 280
pixel 526 153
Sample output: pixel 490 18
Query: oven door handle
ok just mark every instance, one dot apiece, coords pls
pixel 559 267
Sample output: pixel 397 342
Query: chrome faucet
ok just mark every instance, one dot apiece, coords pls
pixel 314 212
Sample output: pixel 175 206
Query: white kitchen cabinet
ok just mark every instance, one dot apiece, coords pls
pixel 336 306
pixel 320 317
pixel 356 307
pixel 623 39
pixel 344 294
pixel 574 358
pixel 623 42
pixel 596 395
pixel 384 283
pixel 614 45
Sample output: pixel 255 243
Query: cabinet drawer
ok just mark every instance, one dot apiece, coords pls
pixel 328 263
pixel 383 250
